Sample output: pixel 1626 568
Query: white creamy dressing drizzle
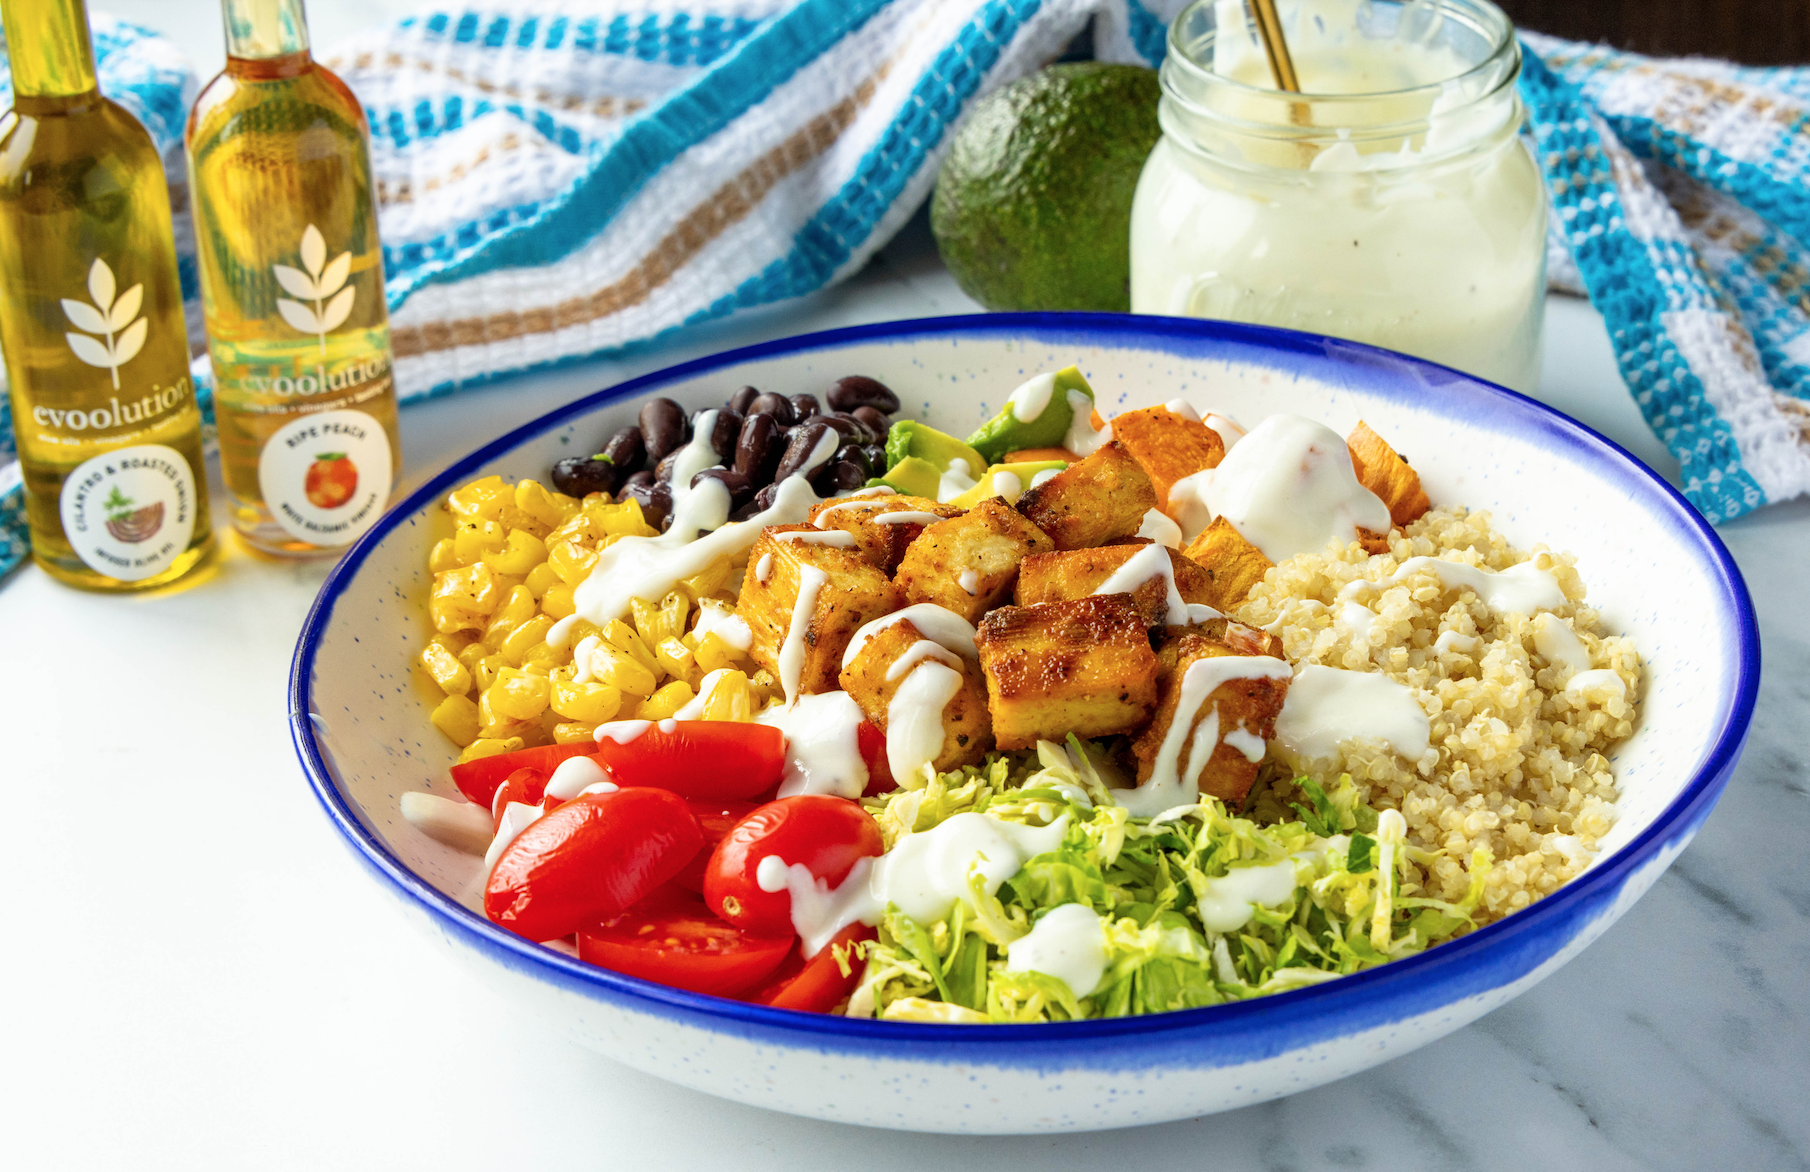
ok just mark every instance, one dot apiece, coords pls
pixel 1188 505
pixel 956 479
pixel 907 517
pixel 914 717
pixel 763 569
pixel 581 658
pixel 463 826
pixel 1068 943
pixel 1599 684
pixel 1289 486
pixel 714 618
pixel 791 653
pixel 1182 408
pixel 1038 479
pixel 1082 439
pixel 1229 901
pixel 1159 528
pixel 1554 639
pixel 602 787
pixel 1520 589
pixel 969 580
pixel 516 817
pixel 1360 618
pixel 924 874
pixel 623 732
pixel 1032 398
pixel 1455 641
pixel 1171 783
pixel 1246 742
pixel 938 624
pixel 573 775
pixel 917 653
pixel 1327 706
pixel 1230 432
pixel 1153 561
pixel 1008 485
pixel 694 707
pixel 839 538
pixel 823 745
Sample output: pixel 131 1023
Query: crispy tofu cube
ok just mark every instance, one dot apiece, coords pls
pixel 882 526
pixel 1233 564
pixel 967 729
pixel 1241 639
pixel 1083 666
pixel 840 591
pixel 1078 573
pixel 1381 470
pixel 1168 446
pixel 1093 501
pixel 1245 708
pixel 969 564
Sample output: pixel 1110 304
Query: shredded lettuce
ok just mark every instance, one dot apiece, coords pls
pixel 1146 879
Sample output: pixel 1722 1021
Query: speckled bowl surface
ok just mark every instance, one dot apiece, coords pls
pixel 1653 568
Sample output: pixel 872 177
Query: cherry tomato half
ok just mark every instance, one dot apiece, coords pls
pixel 827 834
pixel 816 985
pixel 708 759
pixel 527 786
pixel 591 858
pixel 715 819
pixel 872 743
pixel 672 938
pixel 478 780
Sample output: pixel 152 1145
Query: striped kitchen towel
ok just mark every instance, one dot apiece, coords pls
pixel 561 178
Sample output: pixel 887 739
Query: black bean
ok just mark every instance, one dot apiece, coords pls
pixel 739 401
pixel 723 434
pixel 763 500
pixel 862 431
pixel 776 405
pixel 803 446
pixel 857 390
pixel 655 500
pixel 746 511
pixel 663 470
pixel 662 427
pixel 757 448
pixel 853 454
pixel 875 420
pixel 849 429
pixel 741 489
pixel 580 476
pixel 626 452
pixel 844 476
pixel 806 405
pixel 876 457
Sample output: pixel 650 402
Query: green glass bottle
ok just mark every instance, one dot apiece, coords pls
pixel 292 286
pixel 97 359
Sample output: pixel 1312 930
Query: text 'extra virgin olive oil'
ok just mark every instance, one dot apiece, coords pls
pixel 292 285
pixel 97 358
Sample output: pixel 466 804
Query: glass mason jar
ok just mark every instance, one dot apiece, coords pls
pixel 1394 202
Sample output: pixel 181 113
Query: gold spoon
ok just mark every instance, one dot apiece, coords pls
pixel 1269 27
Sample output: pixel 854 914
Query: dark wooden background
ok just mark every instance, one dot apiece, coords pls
pixel 1754 32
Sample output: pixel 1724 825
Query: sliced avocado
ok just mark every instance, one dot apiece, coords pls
pixel 918 455
pixel 1023 471
pixel 1006 432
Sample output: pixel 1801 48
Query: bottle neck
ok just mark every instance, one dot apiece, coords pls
pixel 47 41
pixel 262 30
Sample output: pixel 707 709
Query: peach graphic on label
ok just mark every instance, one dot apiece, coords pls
pixel 331 480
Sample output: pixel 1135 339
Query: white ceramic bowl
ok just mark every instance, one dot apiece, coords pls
pixel 1653 567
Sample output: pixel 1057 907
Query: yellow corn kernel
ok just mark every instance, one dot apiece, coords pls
pixel 452 676
pixel 485 672
pixel 581 528
pixel 473 539
pixel 622 519
pixel 572 733
pixel 495 723
pixel 523 551
pixel 764 687
pixel 709 581
pixel 457 717
pixel 622 637
pixel 570 560
pixel 517 695
pixel 443 556
pixel 471 654
pixel 542 658
pixel 464 598
pixel 590 702
pixel 675 657
pixel 713 653
pixel 480 499
pixel 621 670
pixel 665 702
pixel 558 601
pixel 516 645
pixel 516 610
pixel 729 697
pixel 490 747
pixel 540 578
pixel 581 630
pixel 534 500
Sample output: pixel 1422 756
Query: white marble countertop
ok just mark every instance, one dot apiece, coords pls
pixel 198 975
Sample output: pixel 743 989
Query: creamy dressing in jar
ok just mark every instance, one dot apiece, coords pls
pixel 1391 202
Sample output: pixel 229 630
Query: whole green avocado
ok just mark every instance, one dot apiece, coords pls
pixel 1032 208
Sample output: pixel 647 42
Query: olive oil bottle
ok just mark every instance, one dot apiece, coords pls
pixel 292 286
pixel 97 359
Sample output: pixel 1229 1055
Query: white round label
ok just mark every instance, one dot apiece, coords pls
pixel 326 477
pixel 129 513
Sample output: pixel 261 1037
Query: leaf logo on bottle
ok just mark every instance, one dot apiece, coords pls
pixel 321 283
pixel 121 337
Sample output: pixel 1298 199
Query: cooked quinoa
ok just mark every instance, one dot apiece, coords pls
pixel 1515 764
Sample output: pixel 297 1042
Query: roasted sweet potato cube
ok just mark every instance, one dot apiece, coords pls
pixel 1093 501
pixel 882 526
pixel 1078 573
pixel 968 564
pixel 1381 470
pixel 1244 709
pixel 1083 666
pixel 967 729
pixel 840 591
pixel 1168 446
pixel 1232 564
pixel 1241 639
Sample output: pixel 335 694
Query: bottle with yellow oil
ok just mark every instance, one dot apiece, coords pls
pixel 292 286
pixel 97 359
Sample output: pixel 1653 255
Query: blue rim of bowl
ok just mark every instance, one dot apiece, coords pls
pixel 1102 329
